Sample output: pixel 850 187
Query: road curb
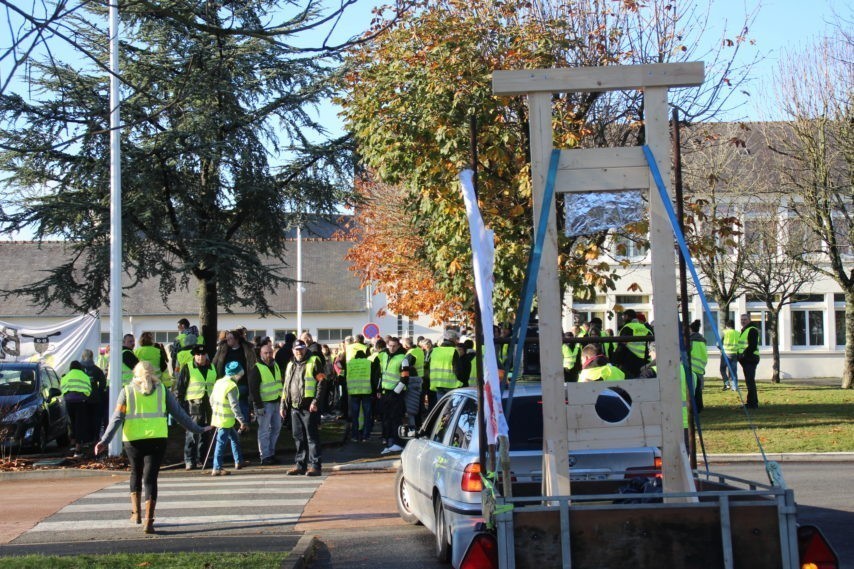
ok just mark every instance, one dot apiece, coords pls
pixel 59 473
pixel 783 457
pixel 367 466
pixel 302 553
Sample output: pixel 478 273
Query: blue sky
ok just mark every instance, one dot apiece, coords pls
pixel 780 25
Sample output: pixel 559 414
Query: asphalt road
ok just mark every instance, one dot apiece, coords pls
pixel 821 491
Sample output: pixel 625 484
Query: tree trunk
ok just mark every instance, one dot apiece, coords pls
pixel 208 312
pixel 775 345
pixel 848 367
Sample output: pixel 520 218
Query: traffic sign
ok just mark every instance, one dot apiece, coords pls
pixel 371 330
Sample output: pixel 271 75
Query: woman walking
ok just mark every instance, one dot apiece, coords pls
pixel 141 412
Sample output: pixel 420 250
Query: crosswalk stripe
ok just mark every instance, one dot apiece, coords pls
pixel 202 492
pixel 235 481
pixel 183 505
pixel 84 525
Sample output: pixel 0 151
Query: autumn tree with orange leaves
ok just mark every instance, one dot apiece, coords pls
pixel 410 95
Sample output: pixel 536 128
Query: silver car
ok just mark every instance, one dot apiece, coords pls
pixel 439 484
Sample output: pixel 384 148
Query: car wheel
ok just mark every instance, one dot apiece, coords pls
pixel 443 543
pixel 404 500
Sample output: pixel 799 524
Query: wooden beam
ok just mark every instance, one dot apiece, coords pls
pixel 555 445
pixel 587 79
pixel 676 469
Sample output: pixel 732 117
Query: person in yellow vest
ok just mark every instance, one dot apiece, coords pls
pixel 468 366
pixel 180 351
pixel 265 390
pixel 570 353
pixel 193 388
pixel 141 413
pixel 395 377
pixel 129 360
pixel 299 398
pixel 76 387
pixel 147 351
pixel 699 358
pixel 362 376
pixel 443 368
pixel 729 373
pixel 630 357
pixel 748 357
pixel 595 366
pixel 225 413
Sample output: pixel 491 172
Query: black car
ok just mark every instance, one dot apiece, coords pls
pixel 32 408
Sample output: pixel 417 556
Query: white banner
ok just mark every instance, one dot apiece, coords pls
pixel 483 255
pixel 57 346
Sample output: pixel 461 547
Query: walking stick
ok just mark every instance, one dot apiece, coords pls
pixel 210 447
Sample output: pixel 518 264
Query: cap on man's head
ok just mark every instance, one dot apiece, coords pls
pixel 299 345
pixel 451 335
pixel 198 350
pixel 233 369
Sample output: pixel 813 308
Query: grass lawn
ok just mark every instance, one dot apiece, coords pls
pixel 790 418
pixel 149 561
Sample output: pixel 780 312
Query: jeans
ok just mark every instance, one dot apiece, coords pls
pixel 363 402
pixel 306 428
pixel 223 437
pixel 749 369
pixel 145 457
pixel 730 375
pixel 269 427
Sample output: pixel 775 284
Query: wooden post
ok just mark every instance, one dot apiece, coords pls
pixel 675 466
pixel 555 444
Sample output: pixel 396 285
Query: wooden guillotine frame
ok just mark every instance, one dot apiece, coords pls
pixel 656 416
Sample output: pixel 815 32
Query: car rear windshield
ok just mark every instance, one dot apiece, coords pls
pixel 526 423
pixel 17 381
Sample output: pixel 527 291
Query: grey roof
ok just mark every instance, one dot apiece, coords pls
pixel 330 286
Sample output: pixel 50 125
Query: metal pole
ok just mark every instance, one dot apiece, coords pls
pixel 115 222
pixel 299 281
pixel 683 283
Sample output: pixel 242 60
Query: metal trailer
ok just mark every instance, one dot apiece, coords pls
pixel 727 523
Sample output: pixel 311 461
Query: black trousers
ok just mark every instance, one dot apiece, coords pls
pixel 145 457
pixel 393 407
pixel 305 426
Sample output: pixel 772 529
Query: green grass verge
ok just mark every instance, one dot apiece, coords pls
pixel 149 561
pixel 790 418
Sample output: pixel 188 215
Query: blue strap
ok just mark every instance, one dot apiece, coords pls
pixel 523 314
pixel 680 240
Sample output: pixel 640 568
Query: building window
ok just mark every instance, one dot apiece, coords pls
pixel 807 328
pixel 630 248
pixel 279 335
pixel 328 335
pixel 840 328
pixel 252 334
pixel 404 329
pixel 164 337
pixel 631 299
pixel 105 338
pixel 708 327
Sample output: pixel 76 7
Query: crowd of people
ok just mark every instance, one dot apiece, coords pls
pixel 299 383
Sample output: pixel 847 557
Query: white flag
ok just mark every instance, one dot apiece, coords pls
pixel 483 254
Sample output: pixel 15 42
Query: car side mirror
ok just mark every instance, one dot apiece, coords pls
pixel 54 392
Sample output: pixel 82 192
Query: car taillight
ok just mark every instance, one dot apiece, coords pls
pixel 814 551
pixel 645 471
pixel 482 553
pixel 471 481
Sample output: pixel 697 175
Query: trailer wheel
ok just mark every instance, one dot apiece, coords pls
pixel 443 542
pixel 404 500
